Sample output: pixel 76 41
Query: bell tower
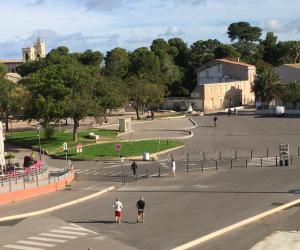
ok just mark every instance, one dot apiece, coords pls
pixel 40 48
pixel 34 53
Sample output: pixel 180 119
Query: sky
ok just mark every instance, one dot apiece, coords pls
pixel 105 24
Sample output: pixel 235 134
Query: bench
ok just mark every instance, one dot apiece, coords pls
pixel 93 136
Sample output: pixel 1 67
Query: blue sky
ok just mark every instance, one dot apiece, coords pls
pixel 106 24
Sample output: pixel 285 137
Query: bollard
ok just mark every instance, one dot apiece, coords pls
pixel 231 163
pixel 235 152
pixel 203 156
pixel 267 152
pixel 276 161
pixel 246 163
pixel 202 166
pixel 187 162
pixel 251 153
pixel 37 180
pixel 159 170
pixel 220 155
pixel 291 160
pixel 298 151
pixel 24 182
pixel 216 164
pixel 261 161
pixel 9 184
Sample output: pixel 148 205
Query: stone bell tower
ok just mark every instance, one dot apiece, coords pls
pixel 34 53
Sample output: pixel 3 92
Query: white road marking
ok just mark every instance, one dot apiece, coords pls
pixel 82 171
pixel 47 239
pixel 82 228
pixel 116 174
pixel 112 166
pixel 23 247
pixel 34 243
pixel 97 173
pixel 59 236
pixel 67 232
pixel 92 172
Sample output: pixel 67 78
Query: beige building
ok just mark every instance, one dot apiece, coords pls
pixel 289 72
pixel 34 53
pixel 224 83
pixel 28 54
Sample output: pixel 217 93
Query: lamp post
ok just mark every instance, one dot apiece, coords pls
pixel 39 127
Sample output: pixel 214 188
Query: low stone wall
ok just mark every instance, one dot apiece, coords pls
pixel 18 195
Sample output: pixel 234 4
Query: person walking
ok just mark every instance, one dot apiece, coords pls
pixel 215 121
pixel 235 111
pixel 134 168
pixel 229 112
pixel 140 205
pixel 117 205
pixel 173 167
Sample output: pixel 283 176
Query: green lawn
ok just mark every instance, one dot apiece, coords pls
pixel 30 139
pixel 134 148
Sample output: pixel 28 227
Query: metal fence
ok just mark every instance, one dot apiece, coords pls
pixel 35 178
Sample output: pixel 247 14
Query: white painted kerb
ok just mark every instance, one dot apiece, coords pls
pixel 51 209
pixel 235 226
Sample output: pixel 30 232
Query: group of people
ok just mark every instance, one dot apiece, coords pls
pixel 229 111
pixel 140 205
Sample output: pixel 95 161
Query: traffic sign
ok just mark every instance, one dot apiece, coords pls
pixel 65 145
pixel 118 147
pixel 79 148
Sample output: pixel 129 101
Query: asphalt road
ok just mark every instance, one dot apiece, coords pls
pixel 188 206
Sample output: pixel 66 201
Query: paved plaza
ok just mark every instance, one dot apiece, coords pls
pixel 178 209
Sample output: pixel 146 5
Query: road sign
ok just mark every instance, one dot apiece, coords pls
pixel 118 147
pixel 79 148
pixel 65 145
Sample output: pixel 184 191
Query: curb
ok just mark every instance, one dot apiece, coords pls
pixel 24 194
pixel 234 226
pixel 54 208
pixel 154 155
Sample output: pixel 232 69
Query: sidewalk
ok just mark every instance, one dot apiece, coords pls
pixel 77 191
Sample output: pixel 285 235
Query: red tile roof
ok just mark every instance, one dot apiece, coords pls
pixel 234 62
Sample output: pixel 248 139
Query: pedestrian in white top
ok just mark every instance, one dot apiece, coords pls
pixel 173 167
pixel 117 205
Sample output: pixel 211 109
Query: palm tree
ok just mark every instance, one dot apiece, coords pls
pixel 265 86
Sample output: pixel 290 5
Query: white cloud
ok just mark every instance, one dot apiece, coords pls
pixel 172 31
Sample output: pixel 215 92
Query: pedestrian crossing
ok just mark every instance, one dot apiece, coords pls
pixel 50 239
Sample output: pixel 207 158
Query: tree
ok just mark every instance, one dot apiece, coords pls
pixel 143 93
pixel 47 93
pixel 12 97
pixel 226 51
pixel 269 48
pixel 145 62
pixel 246 36
pixel 91 58
pixel 243 32
pixel 80 99
pixel 265 87
pixel 116 63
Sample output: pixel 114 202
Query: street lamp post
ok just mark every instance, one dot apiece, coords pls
pixel 39 127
